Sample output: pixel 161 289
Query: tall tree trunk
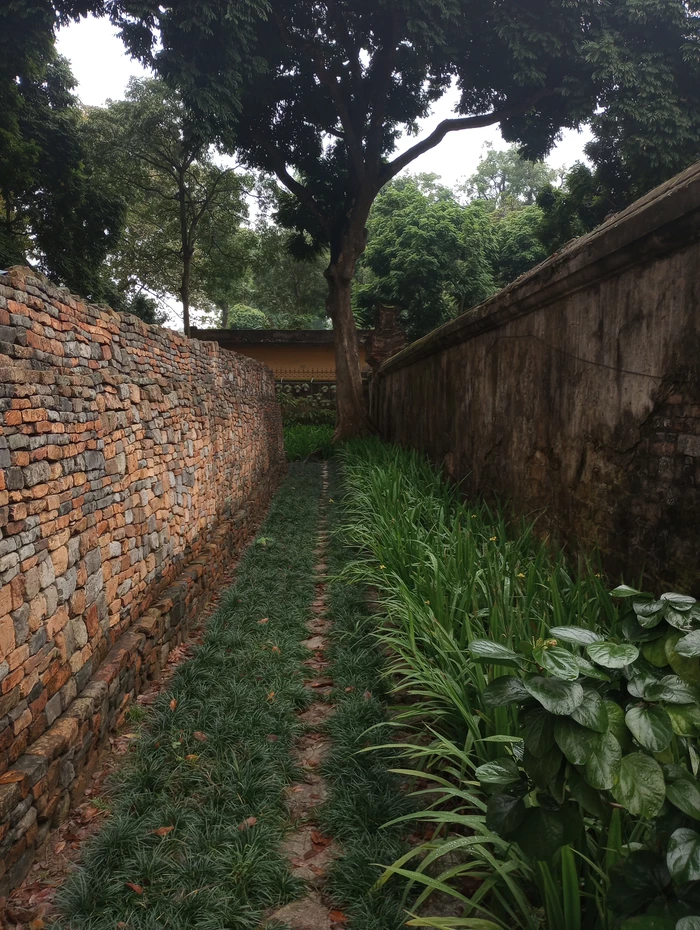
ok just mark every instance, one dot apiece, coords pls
pixel 224 313
pixel 352 418
pixel 185 292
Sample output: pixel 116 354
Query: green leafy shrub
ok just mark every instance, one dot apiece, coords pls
pixel 607 748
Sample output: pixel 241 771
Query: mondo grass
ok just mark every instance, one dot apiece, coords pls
pixel 198 813
pixel 364 795
pixel 302 440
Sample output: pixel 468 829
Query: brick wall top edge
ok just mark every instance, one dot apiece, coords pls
pixel 664 220
pixel 33 283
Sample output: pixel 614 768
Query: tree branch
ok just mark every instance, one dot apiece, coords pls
pixel 302 193
pixel 329 81
pixel 455 125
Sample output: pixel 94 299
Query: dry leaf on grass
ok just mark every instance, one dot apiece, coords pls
pixel 137 889
pixel 337 917
pixel 162 831
pixel 173 704
pixel 202 737
pixel 248 822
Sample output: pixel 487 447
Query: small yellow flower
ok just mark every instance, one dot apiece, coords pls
pixel 382 567
pixel 473 516
pixel 521 574
pixel 494 538
pixel 427 602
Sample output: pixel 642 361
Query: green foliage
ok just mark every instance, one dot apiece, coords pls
pixel 364 796
pixel 215 868
pixel 290 291
pixel 54 212
pixel 425 253
pixel 559 728
pixel 582 202
pixel 184 209
pixel 303 441
pixel 506 180
pixel 242 317
pixel 362 73
pixel 518 243
pixel 307 402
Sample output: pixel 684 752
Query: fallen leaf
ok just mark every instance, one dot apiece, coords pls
pixel 318 839
pixel 349 689
pixel 276 649
pixel 202 737
pixel 37 924
pixel 271 696
pixel 192 757
pixel 137 889
pixel 162 831
pixel 248 822
pixel 320 683
pixel 173 704
pixel 264 620
pixel 338 917
pixel 60 847
pixel 368 695
pixel 272 737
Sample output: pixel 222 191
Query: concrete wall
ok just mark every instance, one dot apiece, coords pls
pixel 575 392
pixel 133 465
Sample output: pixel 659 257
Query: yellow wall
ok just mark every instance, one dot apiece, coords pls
pixel 295 363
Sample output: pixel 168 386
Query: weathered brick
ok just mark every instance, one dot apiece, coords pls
pixel 106 486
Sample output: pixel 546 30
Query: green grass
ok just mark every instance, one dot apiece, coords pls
pixel 364 794
pixel 448 572
pixel 302 440
pixel 209 871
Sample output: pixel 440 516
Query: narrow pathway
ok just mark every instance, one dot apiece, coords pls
pixel 310 853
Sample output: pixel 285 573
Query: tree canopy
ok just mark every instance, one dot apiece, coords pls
pixel 319 94
pixel 426 254
pixel 52 208
pixel 184 208
pixel 504 178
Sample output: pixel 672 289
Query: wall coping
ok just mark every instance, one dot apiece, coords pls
pixel 661 222
pixel 274 337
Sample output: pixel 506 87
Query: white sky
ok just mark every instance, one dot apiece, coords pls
pixel 102 69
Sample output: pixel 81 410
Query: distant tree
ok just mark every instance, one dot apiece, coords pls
pixel 242 317
pixel 54 212
pixel 180 201
pixel 290 290
pixel 505 178
pixel 518 245
pixel 426 254
pixel 584 200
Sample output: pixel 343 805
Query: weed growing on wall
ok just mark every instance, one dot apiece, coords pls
pixel 199 812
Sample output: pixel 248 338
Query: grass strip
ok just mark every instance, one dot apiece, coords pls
pixel 364 795
pixel 199 813
pixel 304 439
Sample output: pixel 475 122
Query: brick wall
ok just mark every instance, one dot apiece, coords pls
pixel 575 392
pixel 133 464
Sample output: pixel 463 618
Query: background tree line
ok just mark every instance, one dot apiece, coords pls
pixel 130 206
pixel 136 204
